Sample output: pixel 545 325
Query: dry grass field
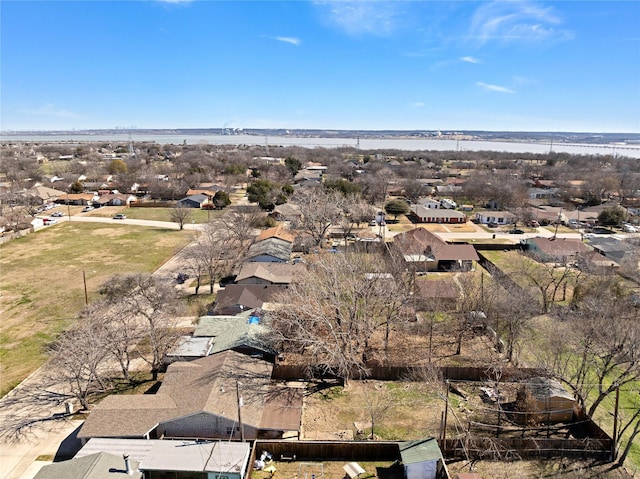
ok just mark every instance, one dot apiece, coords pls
pixel 42 281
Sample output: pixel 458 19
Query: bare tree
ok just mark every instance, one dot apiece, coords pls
pixel 219 249
pixel 242 222
pixel 155 305
pixel 79 355
pixel 123 332
pixel 548 278
pixel 320 210
pixel 333 312
pixel 180 214
pixel 378 404
pixel 596 347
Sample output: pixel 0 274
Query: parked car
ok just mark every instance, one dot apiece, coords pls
pixel 87 208
pixel 181 278
pixel 627 228
pixel 49 221
pixel 57 214
pixel 516 232
pixel 120 216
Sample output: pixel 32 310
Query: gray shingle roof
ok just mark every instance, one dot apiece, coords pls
pixel 273 247
pixel 205 385
pixel 101 465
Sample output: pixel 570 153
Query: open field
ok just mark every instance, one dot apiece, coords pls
pixel 154 214
pixel 42 281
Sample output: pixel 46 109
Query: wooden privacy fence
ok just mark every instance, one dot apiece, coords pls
pixel 397 373
pixel 513 448
pixel 335 450
pixel 151 204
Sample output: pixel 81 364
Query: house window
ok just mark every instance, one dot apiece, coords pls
pixel 232 430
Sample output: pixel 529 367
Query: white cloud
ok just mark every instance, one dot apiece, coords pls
pixel 362 17
pixel 501 89
pixel 49 109
pixel 470 60
pixel 523 21
pixel 292 40
pixel 417 104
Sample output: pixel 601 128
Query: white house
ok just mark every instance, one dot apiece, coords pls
pixel 496 217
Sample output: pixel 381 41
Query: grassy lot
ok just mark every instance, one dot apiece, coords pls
pixel 160 214
pixel 411 411
pixel 42 282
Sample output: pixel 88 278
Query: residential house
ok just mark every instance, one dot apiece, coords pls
pixel 244 333
pixel 76 199
pixel 558 250
pixel 185 459
pixel 595 261
pixel 270 250
pixel 311 174
pixel 549 214
pixel 612 249
pixel 45 194
pixel 115 199
pixel 430 203
pixel 98 465
pixel 279 232
pixel 422 250
pixel 496 217
pixel 193 201
pixel 235 298
pixel 266 273
pixel 286 212
pixel 444 293
pixel 542 193
pixel 200 399
pixel 422 214
pixel 209 192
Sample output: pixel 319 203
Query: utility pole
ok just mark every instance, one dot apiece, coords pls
pixel 86 296
pixel 446 413
pixel 239 398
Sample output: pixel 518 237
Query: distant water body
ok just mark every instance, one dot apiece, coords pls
pixel 406 144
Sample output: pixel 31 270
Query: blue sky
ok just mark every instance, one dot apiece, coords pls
pixel 419 65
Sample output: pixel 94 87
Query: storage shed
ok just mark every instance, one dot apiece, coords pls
pixel 422 459
pixel 552 401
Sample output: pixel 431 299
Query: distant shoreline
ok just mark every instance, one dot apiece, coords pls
pixel 572 143
pixel 479 135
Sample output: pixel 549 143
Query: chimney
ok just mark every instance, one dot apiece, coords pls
pixel 127 464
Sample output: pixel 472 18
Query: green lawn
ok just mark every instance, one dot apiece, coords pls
pixel 42 286
pixel 164 214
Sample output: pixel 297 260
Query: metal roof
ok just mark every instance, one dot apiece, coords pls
pixel 420 450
